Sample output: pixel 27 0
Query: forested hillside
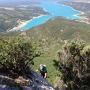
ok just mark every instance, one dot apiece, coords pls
pixel 59 30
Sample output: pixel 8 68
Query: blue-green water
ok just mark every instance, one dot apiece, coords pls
pixel 54 9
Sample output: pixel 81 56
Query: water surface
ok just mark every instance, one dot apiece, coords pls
pixel 54 9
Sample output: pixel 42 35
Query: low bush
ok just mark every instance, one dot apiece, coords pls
pixel 16 55
pixel 75 65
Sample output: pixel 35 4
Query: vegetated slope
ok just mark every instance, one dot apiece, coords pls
pixel 52 35
pixel 16 60
pixel 74 58
pixel 59 30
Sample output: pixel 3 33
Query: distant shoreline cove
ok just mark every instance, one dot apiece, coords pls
pixel 36 21
pixel 23 24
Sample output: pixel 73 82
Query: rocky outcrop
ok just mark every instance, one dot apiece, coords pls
pixel 39 83
pixel 36 82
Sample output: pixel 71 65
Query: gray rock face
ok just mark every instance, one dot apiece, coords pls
pixel 4 87
pixel 39 83
pixel 36 83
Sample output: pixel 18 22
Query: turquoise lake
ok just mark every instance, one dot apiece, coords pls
pixel 54 9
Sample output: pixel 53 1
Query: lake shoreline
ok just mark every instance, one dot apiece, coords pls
pixel 23 23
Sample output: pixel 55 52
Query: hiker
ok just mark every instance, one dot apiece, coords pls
pixel 43 70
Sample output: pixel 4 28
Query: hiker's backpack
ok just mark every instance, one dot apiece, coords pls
pixel 44 69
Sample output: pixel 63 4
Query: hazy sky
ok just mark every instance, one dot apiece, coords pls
pixel 13 1
pixel 5 2
pixel 23 0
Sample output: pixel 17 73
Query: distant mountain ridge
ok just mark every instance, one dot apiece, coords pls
pixel 84 1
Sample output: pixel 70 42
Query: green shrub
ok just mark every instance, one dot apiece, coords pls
pixel 16 55
pixel 75 65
